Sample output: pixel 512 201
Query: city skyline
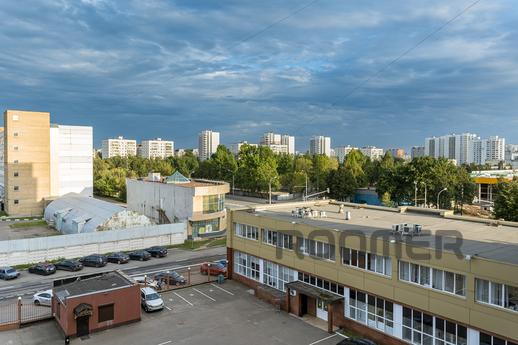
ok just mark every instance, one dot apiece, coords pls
pixel 132 83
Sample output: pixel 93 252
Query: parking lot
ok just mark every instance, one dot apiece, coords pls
pixel 220 314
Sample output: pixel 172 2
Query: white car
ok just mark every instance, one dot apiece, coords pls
pixel 42 298
pixel 146 281
pixel 150 299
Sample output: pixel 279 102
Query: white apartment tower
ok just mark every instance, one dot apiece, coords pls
pixel 156 148
pixel 459 147
pixel 289 141
pixel 342 151
pixel 208 142
pixel 119 147
pixel 279 143
pixel 372 152
pixel 320 145
pixel 490 150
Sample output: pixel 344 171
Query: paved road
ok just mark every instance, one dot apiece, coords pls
pixel 28 284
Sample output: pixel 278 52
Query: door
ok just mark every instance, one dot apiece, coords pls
pixel 83 326
pixel 303 305
pixel 321 309
pixel 45 299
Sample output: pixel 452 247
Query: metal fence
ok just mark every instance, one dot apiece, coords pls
pixel 17 312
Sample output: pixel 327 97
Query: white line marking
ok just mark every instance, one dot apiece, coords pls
pixel 166 342
pixel 6 287
pixel 321 340
pixel 167 307
pixel 230 293
pixel 204 294
pixel 184 299
pixel 342 335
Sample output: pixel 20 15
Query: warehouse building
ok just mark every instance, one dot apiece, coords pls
pixel 396 276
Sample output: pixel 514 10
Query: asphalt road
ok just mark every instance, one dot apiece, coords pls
pixel 28 284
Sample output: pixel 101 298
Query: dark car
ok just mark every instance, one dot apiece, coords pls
pixel 69 265
pixel 170 278
pixel 157 252
pixel 140 255
pixel 215 268
pixel 43 268
pixel 359 341
pixel 94 260
pixel 7 273
pixel 118 258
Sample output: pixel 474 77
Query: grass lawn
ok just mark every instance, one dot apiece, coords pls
pixel 29 224
pixel 193 245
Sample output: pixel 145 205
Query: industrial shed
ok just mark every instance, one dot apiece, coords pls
pixel 74 213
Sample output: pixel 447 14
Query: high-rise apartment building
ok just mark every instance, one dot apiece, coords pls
pixel 489 150
pixel 342 151
pixel 156 148
pixel 41 160
pixel 279 143
pixel 397 152
pixel 458 147
pixel 208 142
pixel 289 142
pixel 236 147
pixel 511 152
pixel 417 151
pixel 320 145
pixel 372 152
pixel 119 147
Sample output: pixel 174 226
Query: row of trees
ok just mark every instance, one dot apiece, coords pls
pixel 256 169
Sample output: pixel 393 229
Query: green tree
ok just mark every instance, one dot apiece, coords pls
pixel 342 183
pixel 320 168
pixel 506 201
pixel 354 163
pixel 257 168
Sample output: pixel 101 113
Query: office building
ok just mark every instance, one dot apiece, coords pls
pixel 372 152
pixel 42 161
pixel 397 152
pixel 320 145
pixel 417 151
pixel 119 147
pixel 208 142
pixel 341 151
pixel 236 147
pixel 156 148
pixel 347 267
pixel 279 143
pixel 199 203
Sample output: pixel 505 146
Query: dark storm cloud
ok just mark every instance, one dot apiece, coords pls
pixel 172 68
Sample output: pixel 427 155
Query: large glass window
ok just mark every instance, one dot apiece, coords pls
pixel 276 275
pixel 321 283
pixel 277 239
pixel 486 339
pixel 432 278
pixel 371 310
pixel 247 265
pixel 497 294
pixel 366 261
pixel 202 227
pixel 213 203
pixel 316 248
pixel 425 329
pixel 246 231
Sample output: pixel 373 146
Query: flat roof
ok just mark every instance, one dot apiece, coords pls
pixel 90 285
pixel 498 243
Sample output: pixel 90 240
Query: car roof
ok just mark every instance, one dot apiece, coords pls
pixel 46 291
pixel 6 268
pixel 147 290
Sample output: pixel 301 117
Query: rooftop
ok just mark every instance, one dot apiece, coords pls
pixel 89 285
pixel 479 238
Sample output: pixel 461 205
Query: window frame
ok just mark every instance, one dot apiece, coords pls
pixel 101 312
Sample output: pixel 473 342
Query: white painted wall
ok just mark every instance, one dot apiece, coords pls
pixel 32 250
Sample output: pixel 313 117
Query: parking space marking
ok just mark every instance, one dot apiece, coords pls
pixel 189 303
pixel 167 307
pixel 323 339
pixel 342 335
pixel 204 294
pixel 166 342
pixel 218 287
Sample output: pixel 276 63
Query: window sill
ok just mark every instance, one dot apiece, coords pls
pixel 432 289
pixel 497 307
pixel 367 271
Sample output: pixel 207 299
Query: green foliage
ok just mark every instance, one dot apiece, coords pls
pixel 506 201
pixel 342 183
pixel 257 169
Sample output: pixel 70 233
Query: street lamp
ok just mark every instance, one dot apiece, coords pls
pixel 439 194
pixel 415 193
pixel 270 189
pixel 425 194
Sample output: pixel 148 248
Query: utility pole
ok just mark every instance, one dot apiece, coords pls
pixel 415 193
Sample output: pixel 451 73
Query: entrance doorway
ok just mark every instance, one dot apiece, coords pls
pixel 321 309
pixel 303 305
pixel 83 326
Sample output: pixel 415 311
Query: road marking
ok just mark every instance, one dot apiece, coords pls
pixel 184 299
pixel 167 307
pixel 230 293
pixel 321 340
pixel 166 342
pixel 204 294
pixel 342 335
pixel 7 287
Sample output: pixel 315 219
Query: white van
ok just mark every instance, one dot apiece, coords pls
pixel 150 299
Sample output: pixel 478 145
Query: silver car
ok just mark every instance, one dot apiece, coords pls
pixel 7 273
pixel 42 298
pixel 150 299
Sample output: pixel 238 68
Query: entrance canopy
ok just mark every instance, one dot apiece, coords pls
pixel 313 291
pixel 83 309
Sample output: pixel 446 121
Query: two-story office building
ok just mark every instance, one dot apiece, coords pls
pixel 454 283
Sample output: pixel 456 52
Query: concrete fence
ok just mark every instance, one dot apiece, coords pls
pixel 31 250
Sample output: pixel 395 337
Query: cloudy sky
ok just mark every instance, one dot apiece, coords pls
pixel 169 69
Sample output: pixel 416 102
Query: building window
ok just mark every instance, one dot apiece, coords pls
pixel 486 339
pixel 373 311
pixel 203 227
pixel 321 283
pixel 277 239
pixel 316 248
pixel 276 275
pixel 15 161
pixel 16 188
pixel 422 328
pixel 105 312
pixel 16 174
pixel 16 117
pixel 247 265
pixel 15 134
pixel 433 278
pixel 15 148
pixel 500 295
pixel 367 261
pixel 246 231
pixel 16 201
pixel 213 203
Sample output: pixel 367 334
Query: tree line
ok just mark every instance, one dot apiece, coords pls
pixel 256 168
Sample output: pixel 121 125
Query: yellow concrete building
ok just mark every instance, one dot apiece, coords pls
pixel 396 275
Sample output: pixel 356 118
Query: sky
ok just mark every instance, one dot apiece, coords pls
pixel 169 69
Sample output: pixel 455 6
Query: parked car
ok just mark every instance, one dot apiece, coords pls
pixel 157 251
pixel 140 255
pixel 358 341
pixel 7 273
pixel 69 265
pixel 170 278
pixel 224 262
pixel 43 268
pixel 146 281
pixel 42 298
pixel 214 269
pixel 150 299
pixel 94 260
pixel 118 258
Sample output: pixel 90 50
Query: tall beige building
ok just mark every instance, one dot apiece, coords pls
pixel 119 147
pixel 41 160
pixel 156 148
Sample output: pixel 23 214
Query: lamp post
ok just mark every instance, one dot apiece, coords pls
pixel 270 189
pixel 425 194
pixel 415 193
pixel 439 195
